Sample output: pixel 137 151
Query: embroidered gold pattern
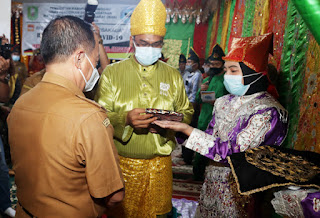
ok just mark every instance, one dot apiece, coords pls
pixel 274 185
pixel 172 50
pixel 292 167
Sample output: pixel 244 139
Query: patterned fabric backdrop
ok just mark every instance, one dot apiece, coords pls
pixel 248 18
pixel 308 134
pixel 225 23
pixel 292 67
pixel 261 17
pixel 212 36
pixel 172 50
pixel 231 14
pixel 278 13
pixel 296 59
pixel 177 32
pixel 237 22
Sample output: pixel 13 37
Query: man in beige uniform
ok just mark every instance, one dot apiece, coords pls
pixel 65 162
pixel 32 81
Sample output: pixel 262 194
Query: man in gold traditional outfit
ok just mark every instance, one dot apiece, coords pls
pixel 126 89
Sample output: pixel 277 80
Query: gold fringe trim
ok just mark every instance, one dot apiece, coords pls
pixel 275 185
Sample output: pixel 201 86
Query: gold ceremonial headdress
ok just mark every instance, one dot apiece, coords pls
pixel 149 17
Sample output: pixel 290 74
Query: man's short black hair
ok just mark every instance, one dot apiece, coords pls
pixel 63 36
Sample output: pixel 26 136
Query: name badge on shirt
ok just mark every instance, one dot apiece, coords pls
pixel 106 122
pixel 164 88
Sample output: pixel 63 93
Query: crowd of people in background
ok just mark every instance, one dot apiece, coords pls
pixel 91 147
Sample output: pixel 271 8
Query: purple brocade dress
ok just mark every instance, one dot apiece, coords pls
pixel 239 123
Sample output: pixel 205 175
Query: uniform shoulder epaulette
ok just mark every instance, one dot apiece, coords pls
pixel 92 102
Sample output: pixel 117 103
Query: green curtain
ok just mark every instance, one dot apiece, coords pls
pixel 220 22
pixel 181 31
pixel 292 69
pixel 248 18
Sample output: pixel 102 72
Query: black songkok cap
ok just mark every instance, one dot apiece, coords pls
pixel 216 54
pixel 193 56
pixel 182 59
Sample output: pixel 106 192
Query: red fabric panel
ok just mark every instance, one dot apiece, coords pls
pixel 278 16
pixel 200 40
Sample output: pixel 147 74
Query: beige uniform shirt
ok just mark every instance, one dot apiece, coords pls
pixel 32 81
pixel 62 151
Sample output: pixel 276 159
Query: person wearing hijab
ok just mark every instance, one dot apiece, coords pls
pixel 246 118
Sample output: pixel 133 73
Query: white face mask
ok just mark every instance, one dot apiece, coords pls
pixel 93 79
pixel 206 69
pixel 147 55
pixel 188 68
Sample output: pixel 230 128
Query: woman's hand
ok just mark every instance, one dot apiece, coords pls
pixel 176 126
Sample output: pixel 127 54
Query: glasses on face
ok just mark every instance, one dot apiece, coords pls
pixel 215 65
pixel 157 44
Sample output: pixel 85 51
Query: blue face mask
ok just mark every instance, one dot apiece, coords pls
pixel 15 57
pixel 147 55
pixel 233 84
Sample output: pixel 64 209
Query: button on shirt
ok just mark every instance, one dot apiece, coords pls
pixel 126 85
pixel 62 151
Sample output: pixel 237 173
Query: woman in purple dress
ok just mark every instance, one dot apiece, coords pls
pixel 246 118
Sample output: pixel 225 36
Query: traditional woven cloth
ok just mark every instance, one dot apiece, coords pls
pixel 148 187
pixel 266 167
pixel 219 196
pixel 149 17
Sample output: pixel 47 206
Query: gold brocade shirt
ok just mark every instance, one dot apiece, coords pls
pixel 126 85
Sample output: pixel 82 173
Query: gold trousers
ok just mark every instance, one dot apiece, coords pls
pixel 148 187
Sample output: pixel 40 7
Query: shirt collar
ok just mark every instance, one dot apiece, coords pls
pixel 143 69
pixel 62 81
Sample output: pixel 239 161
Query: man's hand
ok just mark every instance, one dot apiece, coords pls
pixel 137 118
pixel 96 29
pixel 115 198
pixel 204 86
pixel 4 40
pixel 176 126
pixel 4 66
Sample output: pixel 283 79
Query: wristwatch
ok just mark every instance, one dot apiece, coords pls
pixel 5 79
pixel 101 41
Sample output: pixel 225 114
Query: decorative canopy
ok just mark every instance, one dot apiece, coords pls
pixel 187 10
